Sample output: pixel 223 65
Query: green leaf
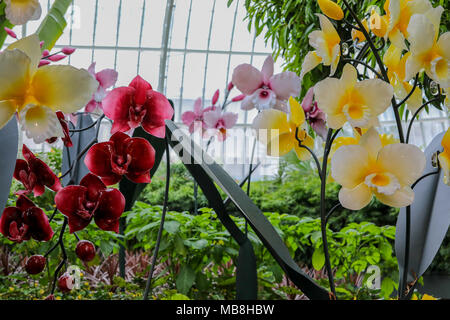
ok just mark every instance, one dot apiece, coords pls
pixel 172 226
pixel 179 246
pixel 318 259
pixel 185 279
pixel 199 244
pixel 53 25
pixel 106 247
pixel 202 281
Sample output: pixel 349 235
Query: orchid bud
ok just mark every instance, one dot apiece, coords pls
pixel 68 50
pixel 215 97
pixel 230 86
pixel 10 33
pixel 43 63
pixel 56 57
pixel 45 53
pixel 238 98
pixel 41 44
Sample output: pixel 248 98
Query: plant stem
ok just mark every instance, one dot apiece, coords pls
pixel 161 226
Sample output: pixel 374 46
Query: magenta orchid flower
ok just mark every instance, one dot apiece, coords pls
pixel 193 118
pixel 263 89
pixel 314 116
pixel 220 122
pixel 106 78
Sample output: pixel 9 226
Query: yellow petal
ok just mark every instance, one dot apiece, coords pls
pixel 413 66
pixel 349 76
pixel 378 24
pixel 269 124
pixel 297 113
pixel 392 56
pixel 358 35
pixel 302 153
pixel 335 54
pixel 371 142
pixel 327 93
pixel 444 157
pixel 331 9
pixel 311 61
pixel 7 110
pixel 356 198
pixel 14 75
pixel 405 161
pixel 415 100
pixel 401 198
pixel 443 45
pixel 324 41
pixel 31 47
pixel 376 93
pixel 349 165
pixel 281 145
pixel 20 12
pixel 63 88
pixel 397 39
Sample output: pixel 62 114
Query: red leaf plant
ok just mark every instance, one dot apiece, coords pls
pixel 91 200
pixel 25 221
pixel 138 105
pixel 121 155
pixel 35 174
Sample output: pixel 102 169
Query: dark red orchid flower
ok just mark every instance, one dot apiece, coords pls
pixel 67 140
pixel 121 155
pixel 25 221
pixel 34 174
pixel 138 105
pixel 91 199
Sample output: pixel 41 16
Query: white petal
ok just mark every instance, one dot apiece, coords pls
pixel 328 93
pixel 394 10
pixel 371 142
pixel 20 12
pixel 412 67
pixel 376 93
pixel 356 198
pixel 40 123
pixel 311 61
pixel 444 44
pixel 421 34
pixel 401 198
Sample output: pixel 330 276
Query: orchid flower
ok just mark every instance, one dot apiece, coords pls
pixel 121 155
pixel 357 35
pixel 19 12
pixel 91 200
pixel 314 116
pixel 395 23
pixel 331 9
pixel 65 127
pixel 280 131
pixel 396 73
pixel 428 52
pixel 346 99
pixel 264 90
pixel 106 78
pixel 35 174
pixel 37 93
pixel 138 105
pixel 369 169
pixel 193 118
pixel 25 221
pixel 220 122
pixel 326 43
pixel 444 157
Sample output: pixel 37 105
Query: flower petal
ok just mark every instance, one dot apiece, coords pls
pixel 37 220
pixel 40 123
pixel 371 142
pixel 188 117
pixel 107 77
pixel 376 93
pixel 229 119
pixel 311 61
pixel 98 159
pixel 297 115
pixel 349 165
pixel 7 111
pixel 267 68
pixel 94 186
pixel 281 144
pixel 270 124
pixel 142 154
pixel 68 201
pixel 285 85
pixel 247 78
pixel 401 198
pixel 141 86
pixel 117 103
pixel 110 207
pixel 14 76
pixel 302 153
pixel 356 198
pixel 63 88
pixel 421 34
pixel 405 161
pixel 159 110
pixel 31 47
pixel 20 12
pixel 331 9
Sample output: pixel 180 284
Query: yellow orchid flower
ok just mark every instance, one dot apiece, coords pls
pixel 331 9
pixel 446 92
pixel 21 11
pixel 424 297
pixel 396 65
pixel 428 52
pixel 326 43
pixel 369 169
pixel 358 35
pixel 346 99
pixel 278 131
pixel 36 93
pixel 398 14
pixel 444 157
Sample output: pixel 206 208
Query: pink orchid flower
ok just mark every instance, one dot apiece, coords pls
pixel 314 116
pixel 195 118
pixel 220 121
pixel 263 89
pixel 106 79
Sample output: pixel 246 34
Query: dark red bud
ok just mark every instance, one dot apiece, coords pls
pixel 85 251
pixel 65 283
pixel 35 264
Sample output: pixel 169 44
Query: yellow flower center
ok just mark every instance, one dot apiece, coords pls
pixel 382 182
pixel 36 115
